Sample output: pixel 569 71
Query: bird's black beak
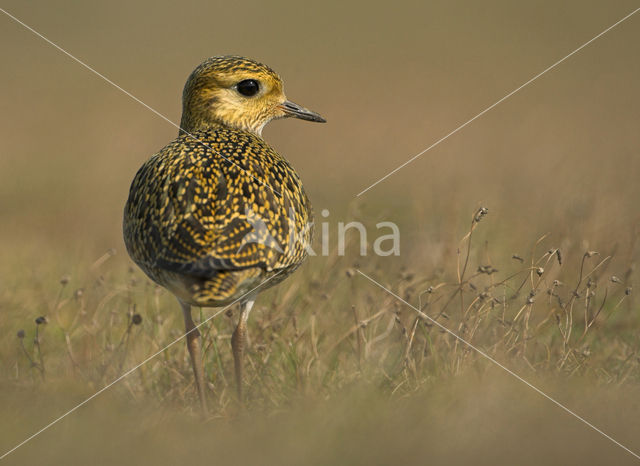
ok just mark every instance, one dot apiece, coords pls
pixel 294 110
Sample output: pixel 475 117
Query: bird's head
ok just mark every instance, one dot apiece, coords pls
pixel 239 93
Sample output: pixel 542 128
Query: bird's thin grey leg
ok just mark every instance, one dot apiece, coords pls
pixel 238 341
pixel 193 345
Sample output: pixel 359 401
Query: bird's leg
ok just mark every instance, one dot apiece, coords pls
pixel 193 345
pixel 238 341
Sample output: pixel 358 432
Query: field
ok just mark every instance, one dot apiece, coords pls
pixel 340 370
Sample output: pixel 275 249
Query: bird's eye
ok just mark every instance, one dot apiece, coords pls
pixel 248 87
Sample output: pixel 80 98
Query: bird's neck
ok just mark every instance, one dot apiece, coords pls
pixel 194 121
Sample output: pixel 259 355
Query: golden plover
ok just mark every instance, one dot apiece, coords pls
pixel 217 212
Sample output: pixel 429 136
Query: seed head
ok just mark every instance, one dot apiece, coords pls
pixel 20 334
pixel 41 320
pixel 136 319
pixel 487 269
pixel 559 256
pixel 482 211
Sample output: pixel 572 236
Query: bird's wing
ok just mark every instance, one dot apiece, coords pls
pixel 209 214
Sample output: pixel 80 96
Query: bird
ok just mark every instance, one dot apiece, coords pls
pixel 217 215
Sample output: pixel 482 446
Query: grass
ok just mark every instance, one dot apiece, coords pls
pixel 333 328
pixel 332 355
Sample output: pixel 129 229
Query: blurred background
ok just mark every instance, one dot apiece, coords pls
pixel 560 157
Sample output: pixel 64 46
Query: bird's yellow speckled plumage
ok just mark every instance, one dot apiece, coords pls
pixel 193 205
pixel 197 208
